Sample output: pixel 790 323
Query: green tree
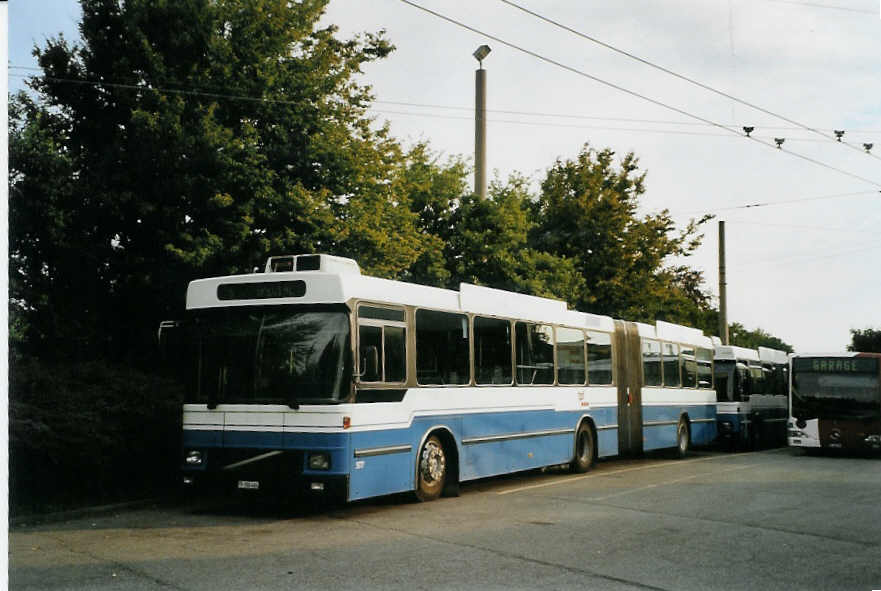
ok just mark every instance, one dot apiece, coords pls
pixel 588 213
pixel 753 339
pixel 489 245
pixel 866 340
pixel 159 153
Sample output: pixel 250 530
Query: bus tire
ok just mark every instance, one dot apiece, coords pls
pixel 683 439
pixel 431 470
pixel 585 449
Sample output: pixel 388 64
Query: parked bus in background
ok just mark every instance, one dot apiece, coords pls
pixel 312 377
pixel 835 401
pixel 751 386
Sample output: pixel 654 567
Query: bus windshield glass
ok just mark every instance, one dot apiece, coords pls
pixel 273 354
pixel 829 388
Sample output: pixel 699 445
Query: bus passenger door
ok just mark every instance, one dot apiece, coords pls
pixel 628 366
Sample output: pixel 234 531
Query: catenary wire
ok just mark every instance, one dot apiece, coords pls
pixel 391 112
pixel 800 228
pixel 412 114
pixel 818 5
pixel 571 126
pixel 773 203
pixel 533 113
pixel 633 93
pixel 681 76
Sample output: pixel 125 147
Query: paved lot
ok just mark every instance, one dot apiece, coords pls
pixel 765 520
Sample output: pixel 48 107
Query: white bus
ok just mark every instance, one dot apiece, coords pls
pixel 313 377
pixel 752 387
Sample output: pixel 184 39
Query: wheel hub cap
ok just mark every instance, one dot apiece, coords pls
pixel 433 463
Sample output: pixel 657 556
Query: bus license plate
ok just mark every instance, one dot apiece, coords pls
pixel 249 484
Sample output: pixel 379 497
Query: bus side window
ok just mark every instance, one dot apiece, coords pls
pixel 599 358
pixel 688 366
pixel 534 345
pixel 705 369
pixel 492 351
pixel 672 377
pixel 651 362
pixel 570 356
pixel 382 344
pixel 442 355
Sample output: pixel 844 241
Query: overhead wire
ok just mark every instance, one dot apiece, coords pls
pixel 571 126
pixel 774 203
pixel 633 93
pixel 681 76
pixel 592 117
pixel 501 111
pixel 185 91
pixel 818 5
pixel 799 227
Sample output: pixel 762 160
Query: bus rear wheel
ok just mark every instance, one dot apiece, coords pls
pixel 431 470
pixel 683 439
pixel 585 449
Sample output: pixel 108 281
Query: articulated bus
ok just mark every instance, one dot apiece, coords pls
pixel 311 377
pixel 752 387
pixel 835 401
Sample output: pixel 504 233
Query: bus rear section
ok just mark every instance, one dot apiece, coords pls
pixel 835 401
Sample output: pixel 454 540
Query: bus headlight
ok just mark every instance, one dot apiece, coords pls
pixel 319 461
pixel 193 458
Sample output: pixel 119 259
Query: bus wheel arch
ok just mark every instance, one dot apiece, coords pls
pixel 437 465
pixel 585 446
pixel 683 436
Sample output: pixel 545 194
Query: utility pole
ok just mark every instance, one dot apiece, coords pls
pixel 480 123
pixel 723 296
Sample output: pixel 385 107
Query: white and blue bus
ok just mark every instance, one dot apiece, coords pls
pixel 313 377
pixel 752 387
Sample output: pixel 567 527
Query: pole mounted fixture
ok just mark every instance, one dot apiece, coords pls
pixel 868 147
pixel 481 53
pixel 480 123
pixel 748 130
pixel 779 141
pixel 839 133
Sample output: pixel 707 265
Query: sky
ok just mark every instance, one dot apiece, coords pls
pixel 804 265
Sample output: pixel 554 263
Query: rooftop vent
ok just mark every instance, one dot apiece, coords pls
pixel 323 263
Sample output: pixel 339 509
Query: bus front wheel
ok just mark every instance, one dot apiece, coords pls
pixel 585 448
pixel 431 470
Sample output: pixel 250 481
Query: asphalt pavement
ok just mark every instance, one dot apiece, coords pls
pixel 774 519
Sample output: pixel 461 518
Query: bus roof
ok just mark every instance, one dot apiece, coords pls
pixel 343 282
pixel 325 279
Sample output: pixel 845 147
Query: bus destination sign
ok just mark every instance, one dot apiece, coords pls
pixel 836 364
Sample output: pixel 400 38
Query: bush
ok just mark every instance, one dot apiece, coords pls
pixel 91 433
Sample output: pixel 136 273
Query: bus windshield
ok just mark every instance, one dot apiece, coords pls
pixel 836 394
pixel 273 354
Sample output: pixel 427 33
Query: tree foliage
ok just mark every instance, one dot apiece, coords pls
pixel 588 212
pixel 160 153
pixel 866 340
pixel 753 339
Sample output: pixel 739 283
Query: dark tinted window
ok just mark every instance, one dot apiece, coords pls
pixel 688 366
pixel 651 362
pixel 492 350
pixel 441 348
pixel 672 378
